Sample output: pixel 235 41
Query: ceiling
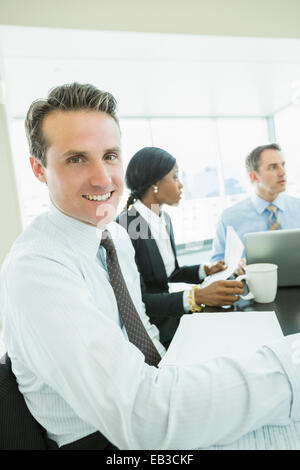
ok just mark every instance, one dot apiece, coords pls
pixel 246 18
pixel 153 74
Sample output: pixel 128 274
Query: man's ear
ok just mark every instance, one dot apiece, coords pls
pixel 38 169
pixel 253 176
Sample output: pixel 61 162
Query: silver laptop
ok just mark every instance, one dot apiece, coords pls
pixel 281 247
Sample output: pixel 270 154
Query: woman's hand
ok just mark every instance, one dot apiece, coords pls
pixel 215 268
pixel 219 293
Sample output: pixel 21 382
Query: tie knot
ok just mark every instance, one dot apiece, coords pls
pixel 106 241
pixel 272 208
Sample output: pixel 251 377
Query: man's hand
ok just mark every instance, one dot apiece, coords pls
pixel 219 293
pixel 215 268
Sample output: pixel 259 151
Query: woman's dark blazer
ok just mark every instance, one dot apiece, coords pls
pixel 163 308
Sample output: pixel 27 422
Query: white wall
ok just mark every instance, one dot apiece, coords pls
pixel 9 204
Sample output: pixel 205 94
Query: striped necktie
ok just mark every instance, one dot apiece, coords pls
pixel 135 329
pixel 273 219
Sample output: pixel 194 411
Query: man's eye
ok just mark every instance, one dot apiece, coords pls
pixel 75 160
pixel 111 156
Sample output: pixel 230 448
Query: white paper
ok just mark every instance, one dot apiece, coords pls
pixel 204 336
pixel 233 253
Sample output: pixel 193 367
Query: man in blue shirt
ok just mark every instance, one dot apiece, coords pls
pixel 266 169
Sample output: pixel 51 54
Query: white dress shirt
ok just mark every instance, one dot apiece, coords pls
pixel 159 231
pixel 79 373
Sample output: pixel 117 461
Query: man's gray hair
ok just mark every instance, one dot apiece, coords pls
pixel 70 97
pixel 253 159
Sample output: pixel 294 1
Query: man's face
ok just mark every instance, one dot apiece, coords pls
pixel 84 170
pixel 270 179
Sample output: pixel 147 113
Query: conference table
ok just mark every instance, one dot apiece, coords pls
pixel 286 306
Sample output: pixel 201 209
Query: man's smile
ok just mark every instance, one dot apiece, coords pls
pixel 97 197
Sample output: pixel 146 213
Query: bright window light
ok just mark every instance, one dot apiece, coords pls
pixel 33 195
pixel 237 137
pixel 287 134
pixel 204 99
pixel 194 145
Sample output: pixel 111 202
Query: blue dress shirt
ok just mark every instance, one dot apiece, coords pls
pixel 250 215
pixel 79 373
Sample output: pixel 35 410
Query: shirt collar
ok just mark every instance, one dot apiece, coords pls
pixel 155 222
pixel 86 237
pixel 261 204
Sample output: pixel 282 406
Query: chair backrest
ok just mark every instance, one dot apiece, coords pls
pixel 18 429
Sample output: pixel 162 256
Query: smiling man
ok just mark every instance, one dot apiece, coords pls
pixel 82 165
pixel 85 357
pixel 267 208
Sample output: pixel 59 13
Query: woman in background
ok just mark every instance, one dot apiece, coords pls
pixel 152 177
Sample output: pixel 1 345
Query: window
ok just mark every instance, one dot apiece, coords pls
pixel 237 138
pixel 33 195
pixel 210 155
pixel 194 145
pixel 179 92
pixel 136 134
pixel 287 132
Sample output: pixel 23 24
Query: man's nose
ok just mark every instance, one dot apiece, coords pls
pixel 99 174
pixel 282 170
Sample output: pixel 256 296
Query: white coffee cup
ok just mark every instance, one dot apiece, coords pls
pixel 262 282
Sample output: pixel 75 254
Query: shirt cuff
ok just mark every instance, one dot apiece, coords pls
pixel 287 352
pixel 186 305
pixel 202 273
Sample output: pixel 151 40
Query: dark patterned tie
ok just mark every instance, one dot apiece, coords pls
pixel 135 329
pixel 273 219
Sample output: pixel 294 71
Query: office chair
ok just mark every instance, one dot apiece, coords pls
pixel 18 429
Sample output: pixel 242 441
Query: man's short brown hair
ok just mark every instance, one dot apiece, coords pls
pixel 253 159
pixel 70 97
